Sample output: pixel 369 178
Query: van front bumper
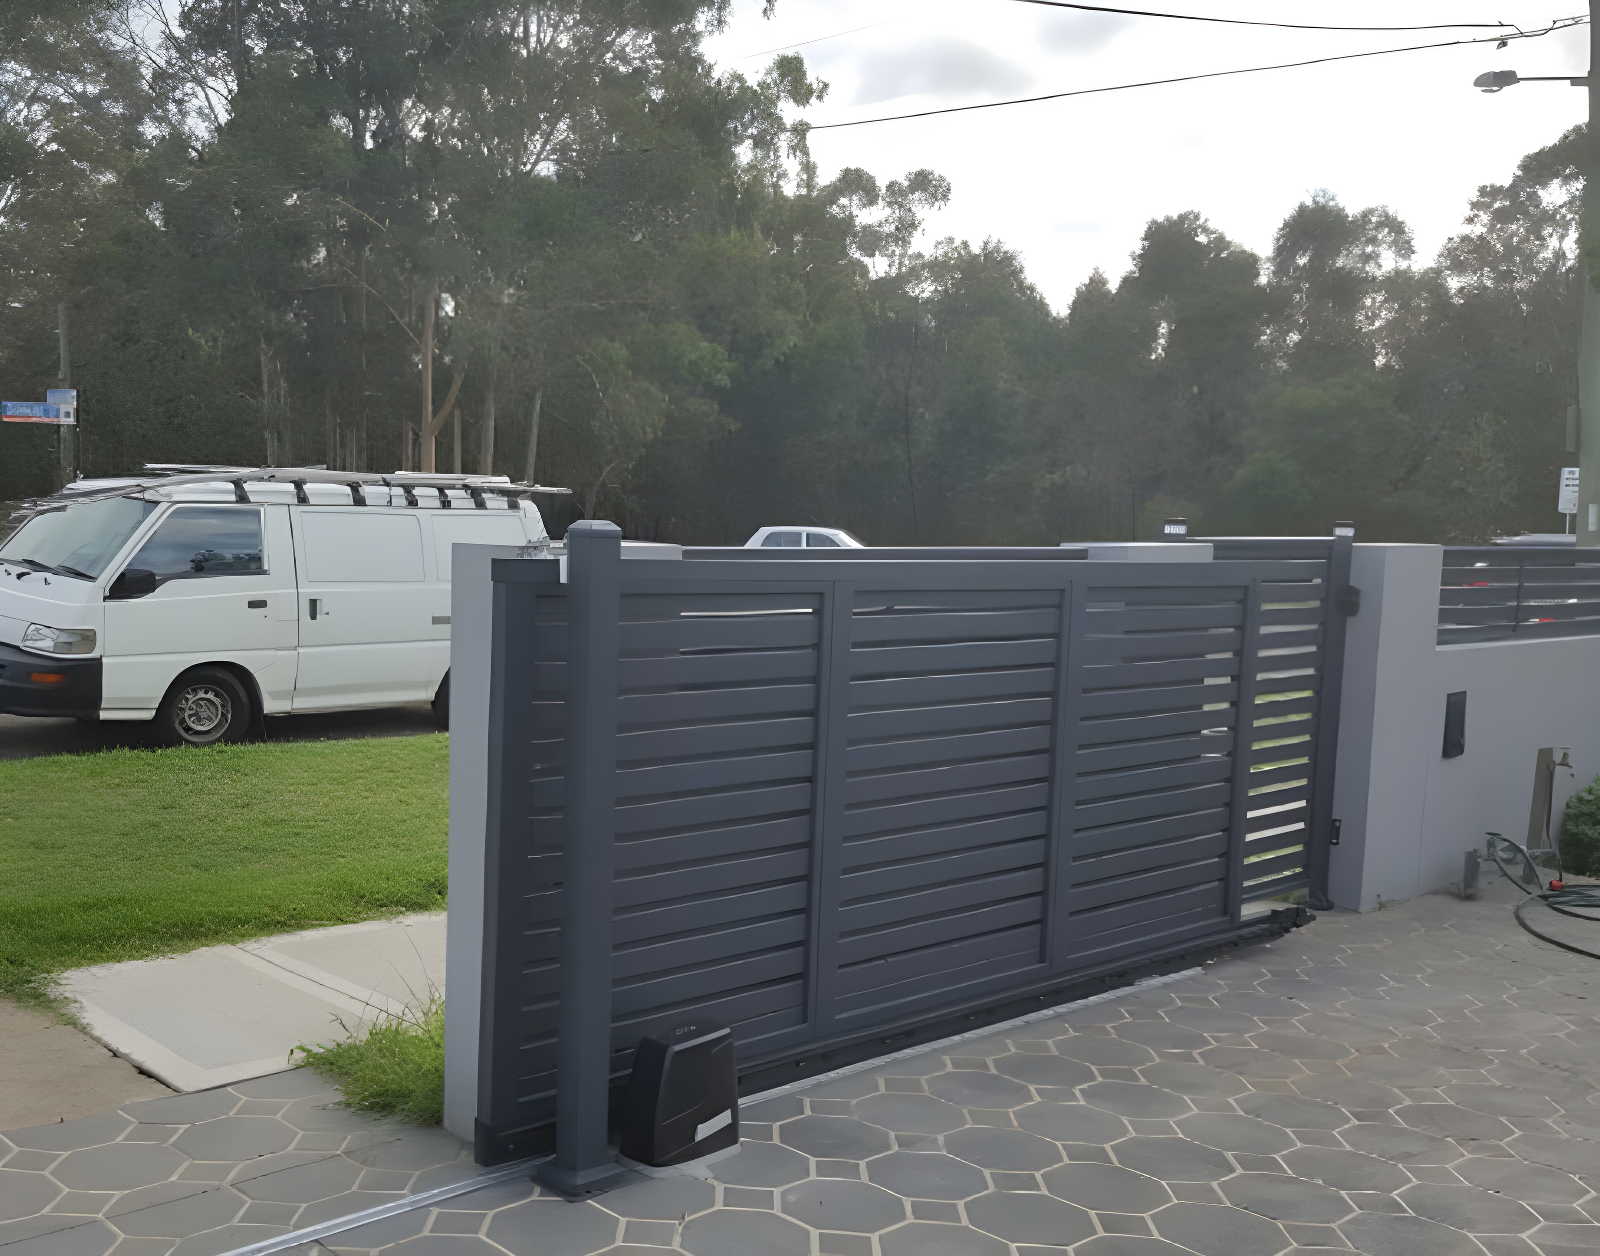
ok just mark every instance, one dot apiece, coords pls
pixel 22 692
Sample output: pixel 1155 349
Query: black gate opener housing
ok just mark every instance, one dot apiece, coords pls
pixel 682 1100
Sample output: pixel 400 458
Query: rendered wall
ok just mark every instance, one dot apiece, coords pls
pixel 1408 813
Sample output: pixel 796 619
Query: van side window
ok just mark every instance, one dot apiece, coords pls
pixel 816 539
pixel 197 541
pixel 781 540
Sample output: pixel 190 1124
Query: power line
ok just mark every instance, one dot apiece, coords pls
pixel 1288 26
pixel 806 42
pixel 1563 24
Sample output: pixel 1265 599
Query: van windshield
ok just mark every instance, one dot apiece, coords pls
pixel 79 540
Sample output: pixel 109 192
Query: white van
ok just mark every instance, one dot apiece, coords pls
pixel 202 603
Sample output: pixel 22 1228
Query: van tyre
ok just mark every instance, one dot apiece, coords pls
pixel 204 706
pixel 441 705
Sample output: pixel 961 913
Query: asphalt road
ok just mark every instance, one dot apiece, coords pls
pixel 24 737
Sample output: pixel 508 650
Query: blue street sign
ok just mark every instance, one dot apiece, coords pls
pixel 39 411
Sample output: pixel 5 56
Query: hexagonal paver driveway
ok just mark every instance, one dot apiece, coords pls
pixel 1422 1082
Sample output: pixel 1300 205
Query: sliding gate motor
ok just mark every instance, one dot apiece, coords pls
pixel 683 1097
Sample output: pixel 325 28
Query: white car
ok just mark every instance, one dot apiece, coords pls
pixel 201 602
pixel 798 536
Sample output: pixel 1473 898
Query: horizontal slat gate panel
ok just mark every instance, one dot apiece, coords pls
pixel 1491 593
pixel 863 799
pixel 942 861
pixel 715 783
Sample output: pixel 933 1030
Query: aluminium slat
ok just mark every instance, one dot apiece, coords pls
pixel 1274 776
pixel 1151 779
pixel 917 872
pixel 1537 612
pixel 1138 754
pixel 1103 676
pixel 681 952
pixel 1154 618
pixel 1293 861
pixel 939 690
pixel 1143 884
pixel 865 726
pixel 1112 599
pixel 990 590
pixel 950 656
pixel 1147 858
pixel 1498 595
pixel 640 607
pixel 1120 731
pixel 894 848
pixel 1014 961
pixel 1155 701
pixel 1469 636
pixel 1282 838
pixel 1560 628
pixel 705 912
pixel 926 812
pixel 733 973
pixel 764 632
pixel 737 804
pixel 1114 838
pixel 1193 927
pixel 764 868
pixel 701 775
pixel 990 743
pixel 1476 615
pixel 1134 913
pixel 727 670
pixel 924 968
pixel 915 935
pixel 966 625
pixel 1291 614
pixel 1274 708
pixel 1281 636
pixel 1276 887
pixel 714 705
pixel 1158 645
pixel 1291 674
pixel 730 1006
pixel 682 846
pixel 941 900
pixel 1151 806
pixel 945 778
pixel 712 739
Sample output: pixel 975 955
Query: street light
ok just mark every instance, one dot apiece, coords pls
pixel 1498 80
pixel 1587 524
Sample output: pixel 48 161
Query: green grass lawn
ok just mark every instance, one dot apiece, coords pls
pixel 132 853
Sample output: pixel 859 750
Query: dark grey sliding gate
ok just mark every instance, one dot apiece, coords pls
pixel 854 798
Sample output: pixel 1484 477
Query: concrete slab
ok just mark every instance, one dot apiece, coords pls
pixel 218 1015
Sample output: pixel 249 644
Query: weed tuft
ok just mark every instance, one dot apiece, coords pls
pixel 395 1067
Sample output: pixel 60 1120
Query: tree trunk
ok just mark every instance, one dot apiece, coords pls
pixel 533 437
pixel 457 425
pixel 486 434
pixel 430 311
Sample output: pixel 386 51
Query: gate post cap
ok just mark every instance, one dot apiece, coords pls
pixel 596 529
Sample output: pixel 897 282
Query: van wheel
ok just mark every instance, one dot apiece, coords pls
pixel 203 707
pixel 441 705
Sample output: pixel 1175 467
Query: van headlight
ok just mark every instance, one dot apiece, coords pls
pixel 45 640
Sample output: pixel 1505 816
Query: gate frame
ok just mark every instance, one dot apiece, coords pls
pixel 593 571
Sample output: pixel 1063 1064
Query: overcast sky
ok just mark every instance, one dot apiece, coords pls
pixel 1071 183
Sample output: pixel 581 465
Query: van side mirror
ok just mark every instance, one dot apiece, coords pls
pixel 133 582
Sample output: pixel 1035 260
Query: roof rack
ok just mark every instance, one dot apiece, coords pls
pixel 165 476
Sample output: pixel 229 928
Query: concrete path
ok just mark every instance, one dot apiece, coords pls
pixel 1422 1081
pixel 224 1013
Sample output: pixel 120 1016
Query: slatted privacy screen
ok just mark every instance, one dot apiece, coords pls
pixel 852 797
pixel 1492 592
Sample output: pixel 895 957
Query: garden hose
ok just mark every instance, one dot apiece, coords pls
pixel 1571 901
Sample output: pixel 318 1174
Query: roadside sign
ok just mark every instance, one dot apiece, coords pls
pixel 1567 500
pixel 67 399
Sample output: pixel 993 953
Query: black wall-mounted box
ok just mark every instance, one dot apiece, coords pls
pixel 682 1100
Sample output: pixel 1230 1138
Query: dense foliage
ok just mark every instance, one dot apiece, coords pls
pixel 297 232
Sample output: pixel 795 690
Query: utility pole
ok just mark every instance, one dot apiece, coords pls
pixel 1588 521
pixel 67 431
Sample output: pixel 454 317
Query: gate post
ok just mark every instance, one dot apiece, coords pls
pixel 1340 601
pixel 583 1051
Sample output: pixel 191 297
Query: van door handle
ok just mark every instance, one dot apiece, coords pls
pixel 313 606
pixel 256 604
